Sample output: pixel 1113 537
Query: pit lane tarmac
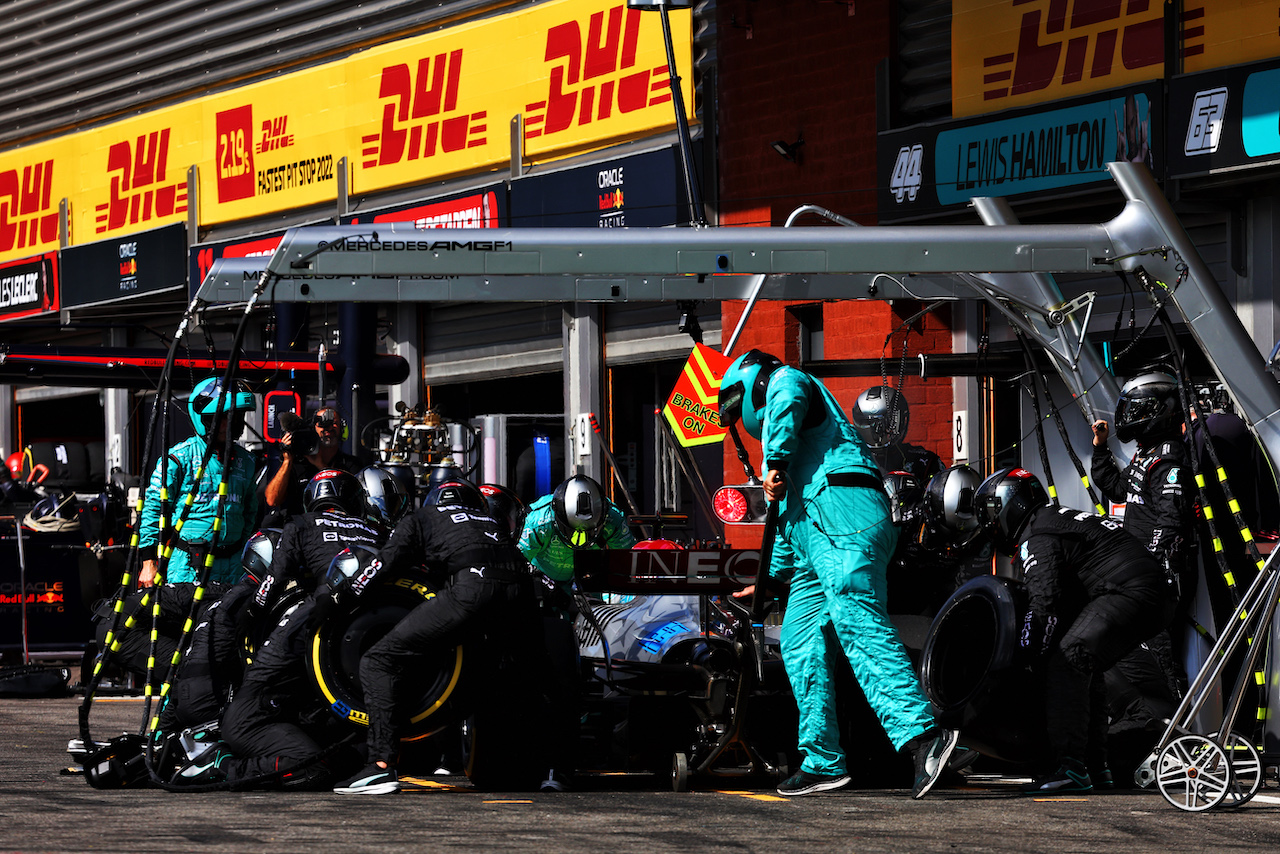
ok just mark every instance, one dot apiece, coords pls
pixel 43 809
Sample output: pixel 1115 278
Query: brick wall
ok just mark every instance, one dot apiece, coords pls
pixel 808 68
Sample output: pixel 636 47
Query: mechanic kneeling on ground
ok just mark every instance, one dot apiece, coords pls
pixel 1095 593
pixel 274 730
pixel 486 579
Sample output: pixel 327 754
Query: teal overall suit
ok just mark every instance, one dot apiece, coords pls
pixel 835 537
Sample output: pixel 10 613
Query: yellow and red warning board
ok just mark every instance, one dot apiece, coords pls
pixel 692 410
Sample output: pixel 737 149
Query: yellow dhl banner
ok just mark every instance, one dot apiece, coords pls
pixel 1217 33
pixel 582 73
pixel 1013 53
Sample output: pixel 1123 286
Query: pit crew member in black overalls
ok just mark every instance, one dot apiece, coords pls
pixel 484 577
pixel 274 729
pixel 1156 485
pixel 1094 593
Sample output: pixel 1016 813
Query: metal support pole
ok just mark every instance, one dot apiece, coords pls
pixel 682 126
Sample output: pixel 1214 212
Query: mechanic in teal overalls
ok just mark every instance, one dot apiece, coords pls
pixel 213 415
pixel 834 539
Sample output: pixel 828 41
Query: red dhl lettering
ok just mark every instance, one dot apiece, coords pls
pixel 1035 65
pixel 28 216
pixel 591 79
pixel 274 135
pixel 138 189
pixel 415 122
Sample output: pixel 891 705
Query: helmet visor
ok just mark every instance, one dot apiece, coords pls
pixel 730 404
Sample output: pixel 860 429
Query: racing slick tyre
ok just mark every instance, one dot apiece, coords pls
pixel 973 672
pixel 341 641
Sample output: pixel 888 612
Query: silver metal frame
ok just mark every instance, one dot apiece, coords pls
pixel 397 262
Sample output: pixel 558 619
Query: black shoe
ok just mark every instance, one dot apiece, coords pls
pixel 1102 778
pixel 372 780
pixel 206 769
pixel 804 783
pixel 931 757
pixel 1070 778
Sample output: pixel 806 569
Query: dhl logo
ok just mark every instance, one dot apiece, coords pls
pixel 416 122
pixel 594 77
pixel 275 135
pixel 138 189
pixel 611 201
pixel 1054 45
pixel 28 216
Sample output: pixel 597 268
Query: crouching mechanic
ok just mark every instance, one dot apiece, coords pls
pixel 1095 593
pixel 275 731
pixel 486 579
pixel 576 516
pixel 835 536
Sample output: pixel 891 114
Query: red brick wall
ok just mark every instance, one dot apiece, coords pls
pixel 809 68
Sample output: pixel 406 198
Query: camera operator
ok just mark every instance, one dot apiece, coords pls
pixel 308 447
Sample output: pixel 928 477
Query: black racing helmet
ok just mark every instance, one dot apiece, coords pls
pixel 1005 502
pixel 456 493
pixel 906 494
pixel 580 511
pixel 334 490
pixel 880 415
pixel 949 503
pixel 442 474
pixel 258 552
pixel 1149 407
pixel 505 506
pixel 385 499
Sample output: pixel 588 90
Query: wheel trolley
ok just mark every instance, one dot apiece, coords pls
pixel 1200 771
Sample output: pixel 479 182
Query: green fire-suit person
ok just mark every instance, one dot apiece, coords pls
pixel 834 539
pixel 576 516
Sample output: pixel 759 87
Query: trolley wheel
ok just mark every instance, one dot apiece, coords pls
pixel 680 772
pixel 1193 773
pixel 1246 770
